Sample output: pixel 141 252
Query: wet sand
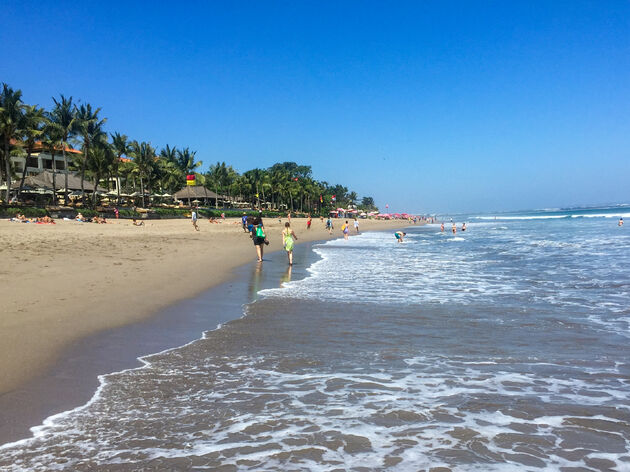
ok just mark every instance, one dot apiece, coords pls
pixel 63 284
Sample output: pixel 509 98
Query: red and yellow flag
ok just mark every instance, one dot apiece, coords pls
pixel 190 179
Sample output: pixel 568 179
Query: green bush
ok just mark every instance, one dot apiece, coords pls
pixel 29 212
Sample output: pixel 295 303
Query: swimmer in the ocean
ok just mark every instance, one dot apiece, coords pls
pixel 454 228
pixel 621 221
pixel 464 227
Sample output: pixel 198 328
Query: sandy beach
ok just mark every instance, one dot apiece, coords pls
pixel 63 282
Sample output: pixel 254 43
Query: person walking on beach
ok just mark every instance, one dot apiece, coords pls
pixel 356 225
pixel 309 221
pixel 244 221
pixel 329 225
pixel 260 239
pixel 288 237
pixel 193 217
pixel 345 229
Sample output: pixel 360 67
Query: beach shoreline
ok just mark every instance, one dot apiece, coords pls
pixel 132 274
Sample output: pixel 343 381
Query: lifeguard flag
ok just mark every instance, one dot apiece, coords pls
pixel 321 199
pixel 295 179
pixel 190 179
pixel 333 198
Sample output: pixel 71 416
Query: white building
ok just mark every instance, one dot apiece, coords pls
pixel 41 160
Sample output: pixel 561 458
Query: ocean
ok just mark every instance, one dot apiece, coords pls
pixel 501 348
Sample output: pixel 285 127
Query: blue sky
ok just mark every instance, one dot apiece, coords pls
pixel 426 106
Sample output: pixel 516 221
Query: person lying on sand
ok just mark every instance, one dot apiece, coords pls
pixel 80 218
pixel 137 223
pixel 212 220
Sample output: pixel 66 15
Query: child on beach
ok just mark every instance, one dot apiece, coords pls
pixel 288 236
pixel 399 236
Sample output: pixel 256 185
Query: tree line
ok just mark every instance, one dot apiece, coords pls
pixel 108 156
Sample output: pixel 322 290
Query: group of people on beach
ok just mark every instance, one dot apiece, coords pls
pixel 41 220
pixel 453 227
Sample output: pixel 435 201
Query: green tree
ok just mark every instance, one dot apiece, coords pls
pixel 102 157
pixel 90 127
pixel 11 112
pixel 186 160
pixel 31 130
pixel 64 115
pixel 120 147
pixel 144 159
pixel 52 140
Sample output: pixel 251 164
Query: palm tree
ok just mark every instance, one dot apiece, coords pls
pixel 52 140
pixel 216 176
pixel 144 159
pixel 352 198
pixel 64 116
pixel 169 154
pixel 101 160
pixel 186 160
pixel 120 145
pixel 90 127
pixel 32 127
pixel 11 111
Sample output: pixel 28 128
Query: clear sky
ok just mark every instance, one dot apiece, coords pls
pixel 428 106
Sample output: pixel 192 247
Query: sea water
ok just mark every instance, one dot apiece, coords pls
pixel 504 347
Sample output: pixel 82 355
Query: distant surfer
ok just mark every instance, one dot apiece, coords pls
pixel 399 236
pixel 620 221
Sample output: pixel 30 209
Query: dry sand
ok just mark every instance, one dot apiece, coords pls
pixel 62 282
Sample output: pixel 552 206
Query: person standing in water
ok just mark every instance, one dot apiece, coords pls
pixel 442 227
pixel 454 228
pixel 620 221
pixel 288 238
pixel 260 239
pixel 464 227
pixel 399 236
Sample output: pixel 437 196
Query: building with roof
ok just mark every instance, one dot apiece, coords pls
pixel 41 159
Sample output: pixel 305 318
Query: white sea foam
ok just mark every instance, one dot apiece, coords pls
pixel 417 413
